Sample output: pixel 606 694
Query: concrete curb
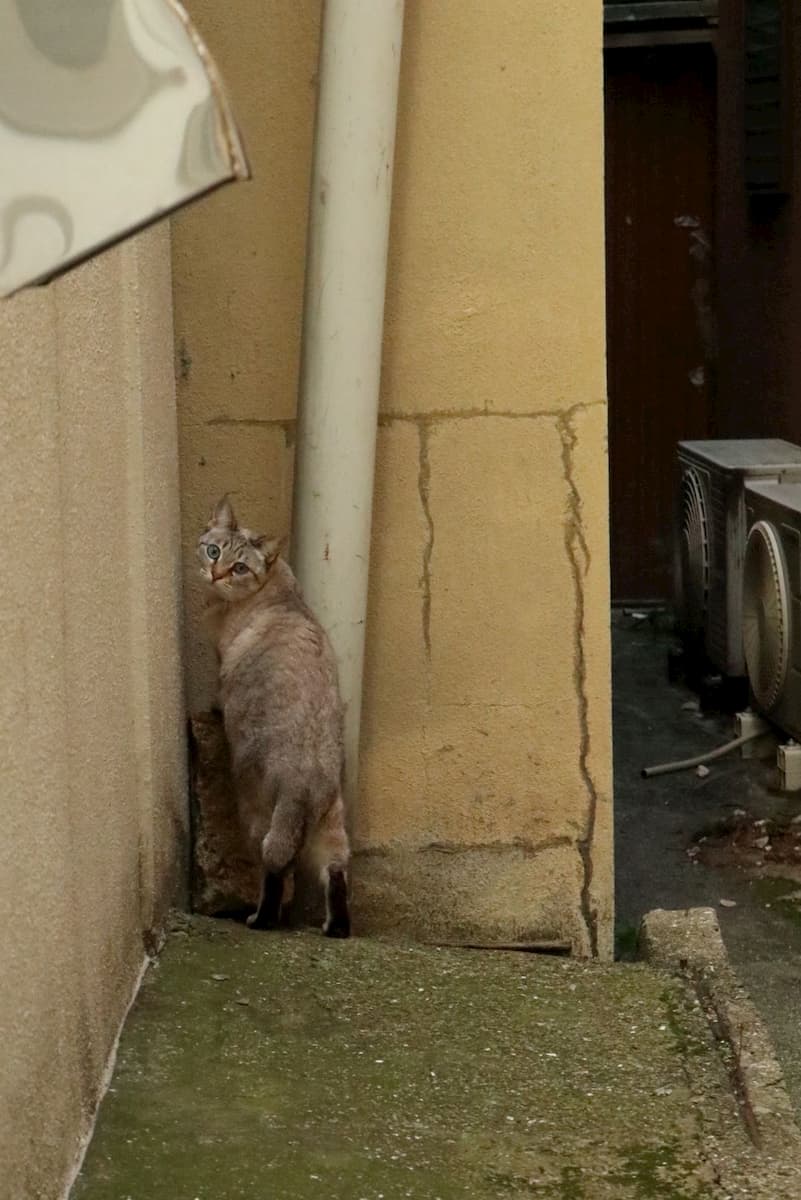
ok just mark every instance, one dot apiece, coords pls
pixel 689 941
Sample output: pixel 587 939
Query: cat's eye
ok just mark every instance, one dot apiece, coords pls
pixel 240 568
pixel 213 552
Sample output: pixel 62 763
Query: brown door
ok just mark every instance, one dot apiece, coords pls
pixel 660 156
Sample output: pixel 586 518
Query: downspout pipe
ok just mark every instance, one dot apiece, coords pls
pixel 343 319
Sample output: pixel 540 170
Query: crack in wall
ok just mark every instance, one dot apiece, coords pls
pixel 522 846
pixel 424 488
pixel 527 848
pixel 578 555
pixel 483 705
pixel 435 416
pixel 423 420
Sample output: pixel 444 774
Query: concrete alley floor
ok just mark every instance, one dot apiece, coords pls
pixel 284 1067
pixel 656 819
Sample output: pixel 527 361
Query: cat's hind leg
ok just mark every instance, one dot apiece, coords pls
pixel 328 852
pixel 260 918
pixel 278 852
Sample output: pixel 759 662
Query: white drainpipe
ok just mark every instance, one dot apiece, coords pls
pixel 343 322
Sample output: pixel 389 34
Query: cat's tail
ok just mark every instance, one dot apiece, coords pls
pixel 279 850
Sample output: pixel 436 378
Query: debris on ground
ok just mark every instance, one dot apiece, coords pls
pixel 758 846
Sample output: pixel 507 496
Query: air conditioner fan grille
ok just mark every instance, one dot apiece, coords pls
pixel 694 550
pixel 766 614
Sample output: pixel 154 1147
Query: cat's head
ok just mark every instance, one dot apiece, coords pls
pixel 234 562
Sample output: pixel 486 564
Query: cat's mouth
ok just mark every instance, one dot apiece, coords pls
pixel 211 580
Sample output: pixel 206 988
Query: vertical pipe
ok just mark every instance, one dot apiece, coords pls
pixel 343 321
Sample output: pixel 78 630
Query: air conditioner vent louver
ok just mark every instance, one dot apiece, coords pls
pixel 694 553
pixel 766 615
pixel 717 614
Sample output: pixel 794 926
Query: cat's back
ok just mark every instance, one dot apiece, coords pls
pixel 277 666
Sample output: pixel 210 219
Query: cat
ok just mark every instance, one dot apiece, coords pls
pixel 283 718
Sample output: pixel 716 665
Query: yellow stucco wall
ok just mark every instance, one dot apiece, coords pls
pixel 485 801
pixel 91 706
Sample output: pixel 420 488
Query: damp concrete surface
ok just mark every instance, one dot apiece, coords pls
pixel 259 1066
pixel 658 821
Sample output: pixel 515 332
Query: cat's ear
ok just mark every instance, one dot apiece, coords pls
pixel 269 547
pixel 223 516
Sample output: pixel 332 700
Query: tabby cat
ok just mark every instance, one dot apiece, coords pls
pixel 283 717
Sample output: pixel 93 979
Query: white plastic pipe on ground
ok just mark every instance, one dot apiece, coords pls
pixel 343 322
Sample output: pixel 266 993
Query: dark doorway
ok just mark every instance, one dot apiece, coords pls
pixel 660 167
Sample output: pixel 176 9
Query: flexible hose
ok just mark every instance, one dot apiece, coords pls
pixel 684 764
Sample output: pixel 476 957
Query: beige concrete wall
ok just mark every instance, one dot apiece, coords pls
pixel 485 805
pixel 91 706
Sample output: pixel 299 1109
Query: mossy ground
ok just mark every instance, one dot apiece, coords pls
pixel 284 1067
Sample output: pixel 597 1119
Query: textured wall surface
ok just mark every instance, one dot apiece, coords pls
pixel 485 805
pixel 91 705
pixel 758 240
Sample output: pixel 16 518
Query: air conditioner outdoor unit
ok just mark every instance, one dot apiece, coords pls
pixel 710 543
pixel 772 601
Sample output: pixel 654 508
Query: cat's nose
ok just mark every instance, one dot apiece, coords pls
pixel 218 572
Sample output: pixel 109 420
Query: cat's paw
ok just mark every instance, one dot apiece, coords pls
pixel 337 928
pixel 261 920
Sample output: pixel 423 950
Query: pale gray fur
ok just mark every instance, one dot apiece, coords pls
pixel 282 710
